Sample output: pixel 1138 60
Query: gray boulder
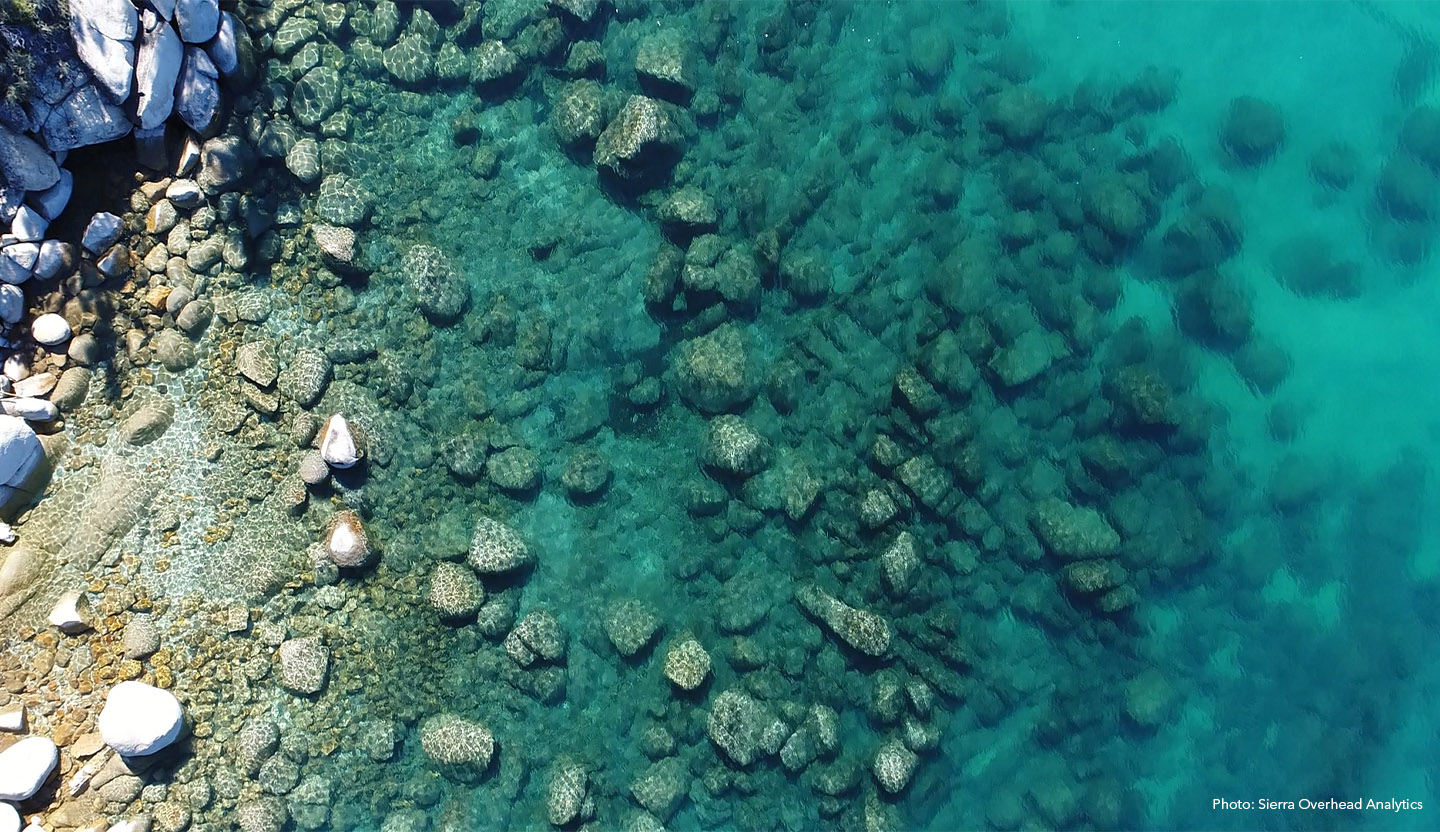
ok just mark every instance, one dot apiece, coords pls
pixel 25 164
pixel 110 60
pixel 51 202
pixel 83 118
pixel 198 20
pixel 224 50
pixel 197 92
pixel 157 67
pixel 224 162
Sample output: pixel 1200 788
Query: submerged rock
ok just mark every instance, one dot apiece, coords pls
pixel 737 725
pixel 893 766
pixel 454 593
pixel 452 741
pixel 304 664
pixel 714 372
pixel 630 625
pixel 733 447
pixel 439 290
pixel 687 664
pixel 1073 532
pixel 495 547
pixel 566 793
pixel 863 631
pixel 643 137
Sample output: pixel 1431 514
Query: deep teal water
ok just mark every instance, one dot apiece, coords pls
pixel 1259 427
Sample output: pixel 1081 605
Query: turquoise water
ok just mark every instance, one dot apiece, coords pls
pixel 1124 313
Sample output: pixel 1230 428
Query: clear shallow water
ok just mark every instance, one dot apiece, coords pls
pixel 936 193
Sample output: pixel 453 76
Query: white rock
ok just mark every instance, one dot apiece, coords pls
pixel 31 410
pixel 20 450
pixel 12 718
pixel 112 18
pixel 35 385
pixel 165 8
pixel 198 19
pixel 9 818
pixel 15 368
pixel 140 719
pixel 157 67
pixel 29 225
pixel 51 202
pixel 338 447
pixel 16 262
pixel 7 536
pixel 111 60
pixel 130 826
pixel 71 613
pixel 50 329
pixel 52 259
pixel 101 233
pixel 25 766
pixel 185 193
pixel 12 303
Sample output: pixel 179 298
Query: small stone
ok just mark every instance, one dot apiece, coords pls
pixel 71 613
pixel 346 541
pixel 142 638
pixel 257 362
pixel 102 232
pixel 338 444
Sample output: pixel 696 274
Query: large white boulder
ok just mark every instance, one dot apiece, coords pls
pixel 157 67
pixel 25 766
pixel 9 818
pixel 20 450
pixel 110 60
pixel 140 719
pixel 112 18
